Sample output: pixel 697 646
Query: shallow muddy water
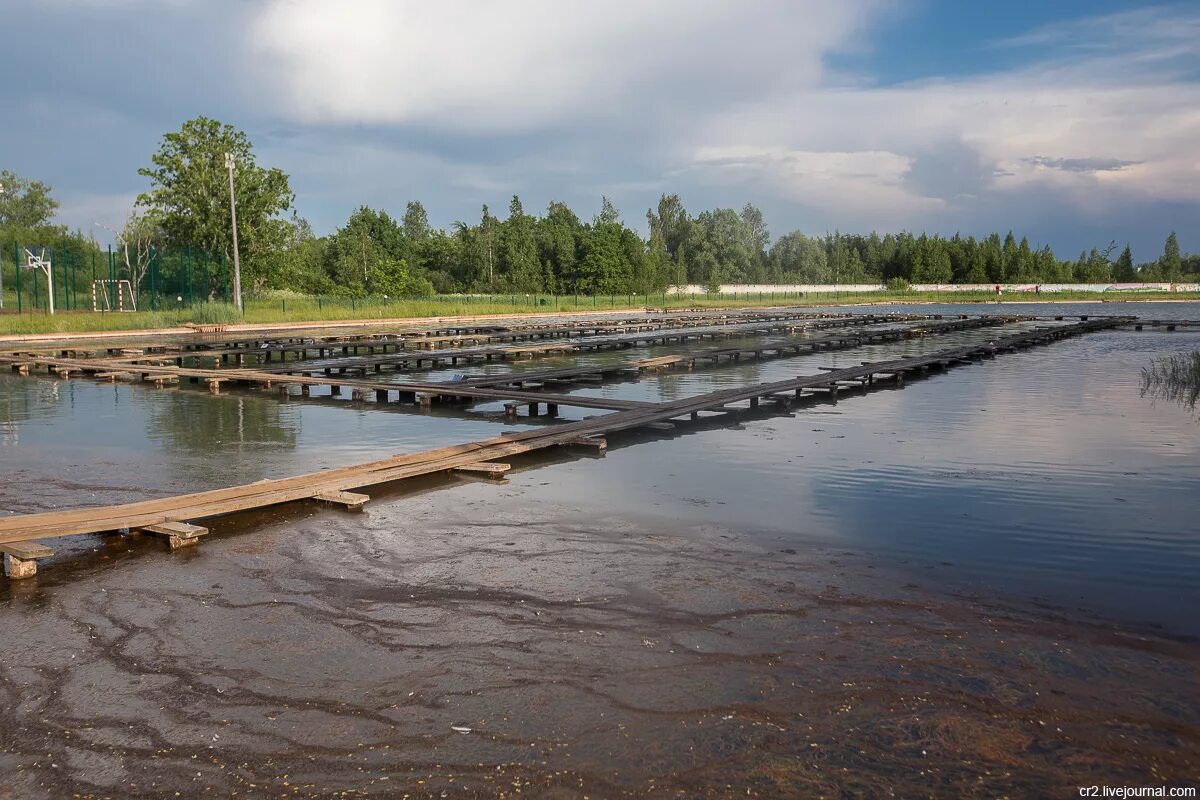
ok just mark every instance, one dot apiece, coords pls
pixel 983 583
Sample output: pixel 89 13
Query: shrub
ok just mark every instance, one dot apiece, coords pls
pixel 898 284
pixel 215 313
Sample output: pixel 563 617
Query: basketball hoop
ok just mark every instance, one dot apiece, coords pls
pixel 38 259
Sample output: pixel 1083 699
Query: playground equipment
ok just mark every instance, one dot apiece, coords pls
pixel 122 288
pixel 38 259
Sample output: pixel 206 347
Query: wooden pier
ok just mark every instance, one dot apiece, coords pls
pixel 525 388
pixel 176 516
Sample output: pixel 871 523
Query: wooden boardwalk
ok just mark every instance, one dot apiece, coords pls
pixel 173 517
pixel 516 388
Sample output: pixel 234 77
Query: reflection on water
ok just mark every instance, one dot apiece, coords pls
pixel 1044 474
pixel 1175 378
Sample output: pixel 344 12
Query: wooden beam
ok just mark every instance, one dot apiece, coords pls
pixel 177 534
pixel 351 501
pixel 488 468
pixel 20 562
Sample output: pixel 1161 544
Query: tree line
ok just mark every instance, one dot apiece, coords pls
pixel 557 251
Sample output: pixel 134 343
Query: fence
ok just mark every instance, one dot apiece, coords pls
pixel 86 278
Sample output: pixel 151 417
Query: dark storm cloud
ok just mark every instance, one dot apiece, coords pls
pixel 1081 164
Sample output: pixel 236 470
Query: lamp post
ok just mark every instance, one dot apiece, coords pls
pixel 237 267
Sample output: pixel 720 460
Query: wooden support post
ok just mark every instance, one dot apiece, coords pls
pixel 20 558
pixel 214 385
pixel 552 409
pixel 177 534
pixel 351 501
pixel 357 395
pixel 597 443
pixel 426 401
pixel 488 468
pixel 305 390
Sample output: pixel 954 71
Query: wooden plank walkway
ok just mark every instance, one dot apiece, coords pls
pixel 714 355
pixel 491 388
pixel 435 359
pixel 219 502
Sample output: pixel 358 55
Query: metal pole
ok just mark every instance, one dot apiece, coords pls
pixel 237 267
pixel 50 285
pixel 17 264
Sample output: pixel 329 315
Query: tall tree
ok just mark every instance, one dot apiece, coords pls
pixel 189 191
pixel 519 254
pixel 1123 271
pixel 1171 265
pixel 24 203
pixel 415 222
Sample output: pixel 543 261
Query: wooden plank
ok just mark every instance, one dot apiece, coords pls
pixel 489 468
pixel 26 551
pixel 351 501
pixel 177 534
pixel 585 433
pixel 183 530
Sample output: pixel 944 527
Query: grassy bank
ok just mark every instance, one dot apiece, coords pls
pixel 307 309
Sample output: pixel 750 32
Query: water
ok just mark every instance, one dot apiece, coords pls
pixel 975 585
pixel 1043 475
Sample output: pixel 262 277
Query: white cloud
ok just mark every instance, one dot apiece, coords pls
pixel 1110 125
pixel 867 181
pixel 538 63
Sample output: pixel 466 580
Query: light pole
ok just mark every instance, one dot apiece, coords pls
pixel 237 267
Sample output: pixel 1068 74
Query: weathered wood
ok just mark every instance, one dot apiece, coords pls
pixel 586 433
pixel 351 501
pixel 26 551
pixel 177 534
pixel 489 468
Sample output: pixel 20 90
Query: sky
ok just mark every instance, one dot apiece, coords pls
pixel 1074 123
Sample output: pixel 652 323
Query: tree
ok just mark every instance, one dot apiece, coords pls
pixel 24 203
pixel 1123 271
pixel 189 192
pixel 1171 265
pixel 136 243
pixel 518 251
pixel 608 213
pixel 415 222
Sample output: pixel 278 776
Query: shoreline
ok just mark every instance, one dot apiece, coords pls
pixel 366 322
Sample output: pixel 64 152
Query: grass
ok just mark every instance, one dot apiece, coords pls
pixel 1174 377
pixel 289 307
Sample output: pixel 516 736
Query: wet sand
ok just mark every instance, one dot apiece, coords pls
pixel 485 641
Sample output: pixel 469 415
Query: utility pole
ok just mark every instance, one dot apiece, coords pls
pixel 237 267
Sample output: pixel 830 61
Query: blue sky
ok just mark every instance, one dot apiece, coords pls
pixel 1072 122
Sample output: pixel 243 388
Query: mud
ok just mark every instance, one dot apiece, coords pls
pixel 475 643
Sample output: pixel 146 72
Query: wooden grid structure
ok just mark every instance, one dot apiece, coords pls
pixel 174 517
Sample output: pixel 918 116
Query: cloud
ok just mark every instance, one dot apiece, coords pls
pixel 524 66
pixel 1081 164
pixel 1112 125
pixel 864 180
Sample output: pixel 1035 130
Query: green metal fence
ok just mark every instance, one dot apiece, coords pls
pixel 87 279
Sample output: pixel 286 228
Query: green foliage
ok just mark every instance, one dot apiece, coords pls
pixel 899 285
pixel 215 313
pixel 189 194
pixel 1171 264
pixel 24 203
